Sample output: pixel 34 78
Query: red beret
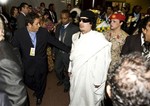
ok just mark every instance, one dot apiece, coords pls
pixel 119 16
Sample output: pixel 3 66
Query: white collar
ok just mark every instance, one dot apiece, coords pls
pixel 23 13
pixel 65 26
pixel 142 39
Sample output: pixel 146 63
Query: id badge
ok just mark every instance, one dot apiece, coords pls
pixel 32 51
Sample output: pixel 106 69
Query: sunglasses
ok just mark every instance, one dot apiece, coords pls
pixel 84 20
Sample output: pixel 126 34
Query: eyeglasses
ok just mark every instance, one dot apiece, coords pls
pixel 84 20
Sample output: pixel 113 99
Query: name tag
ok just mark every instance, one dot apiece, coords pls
pixel 32 51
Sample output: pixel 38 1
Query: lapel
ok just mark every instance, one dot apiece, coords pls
pixel 67 30
pixel 37 39
pixel 68 27
pixel 28 38
pixel 58 31
pixel 139 42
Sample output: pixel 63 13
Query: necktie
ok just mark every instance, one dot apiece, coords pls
pixel 62 31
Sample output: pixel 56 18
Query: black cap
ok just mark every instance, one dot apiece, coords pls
pixel 89 14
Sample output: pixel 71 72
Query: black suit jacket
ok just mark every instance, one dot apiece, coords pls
pixel 69 31
pixel 51 17
pixel 132 44
pixel 134 25
pixel 11 75
pixel 37 63
pixel 20 21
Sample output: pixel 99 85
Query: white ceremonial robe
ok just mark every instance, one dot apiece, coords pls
pixel 89 62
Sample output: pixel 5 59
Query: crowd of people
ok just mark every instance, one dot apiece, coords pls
pixel 98 66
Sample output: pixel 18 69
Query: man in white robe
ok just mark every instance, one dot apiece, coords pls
pixel 89 62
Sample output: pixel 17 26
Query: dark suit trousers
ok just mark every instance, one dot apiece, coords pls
pixel 61 67
pixel 37 83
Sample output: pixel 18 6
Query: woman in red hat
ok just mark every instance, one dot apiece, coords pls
pixel 116 36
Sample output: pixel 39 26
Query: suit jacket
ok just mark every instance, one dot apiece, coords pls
pixel 132 44
pixel 11 75
pixel 69 31
pixel 133 25
pixel 37 63
pixel 51 17
pixel 20 21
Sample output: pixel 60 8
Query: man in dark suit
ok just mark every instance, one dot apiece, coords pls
pixel 11 73
pixel 133 43
pixel 64 32
pixel 52 13
pixel 139 42
pixel 32 42
pixel 21 17
pixel 136 18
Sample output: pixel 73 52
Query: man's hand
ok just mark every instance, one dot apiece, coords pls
pixel 108 90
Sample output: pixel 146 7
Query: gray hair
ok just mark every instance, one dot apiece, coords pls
pixel 131 81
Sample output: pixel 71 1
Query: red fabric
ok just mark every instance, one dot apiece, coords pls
pixel 118 16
